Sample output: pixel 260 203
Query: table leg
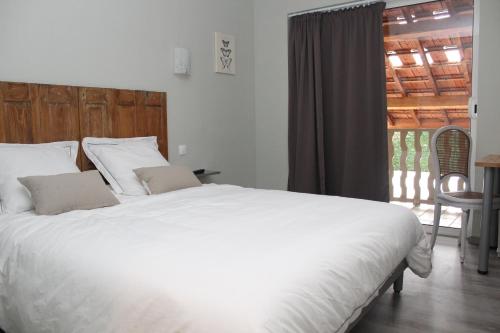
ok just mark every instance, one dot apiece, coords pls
pixel 484 241
pixel 494 230
pixel 494 216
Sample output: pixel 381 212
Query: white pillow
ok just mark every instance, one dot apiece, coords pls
pixel 23 160
pixel 117 158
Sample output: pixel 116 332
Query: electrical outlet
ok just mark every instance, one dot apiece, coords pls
pixel 182 150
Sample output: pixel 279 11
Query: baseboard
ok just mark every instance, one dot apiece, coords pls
pixel 443 231
pixel 474 240
pixel 454 233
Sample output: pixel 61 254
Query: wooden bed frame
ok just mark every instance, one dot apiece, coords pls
pixel 38 113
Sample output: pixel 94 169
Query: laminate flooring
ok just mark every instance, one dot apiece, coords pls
pixel 454 299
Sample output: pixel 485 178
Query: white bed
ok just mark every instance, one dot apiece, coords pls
pixel 216 258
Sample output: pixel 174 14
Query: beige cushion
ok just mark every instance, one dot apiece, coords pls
pixel 57 194
pixel 163 179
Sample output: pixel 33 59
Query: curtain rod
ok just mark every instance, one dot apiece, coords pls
pixel 340 6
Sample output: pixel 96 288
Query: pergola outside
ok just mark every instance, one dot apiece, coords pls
pixel 429 82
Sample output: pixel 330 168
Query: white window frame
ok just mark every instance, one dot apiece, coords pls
pixel 473 99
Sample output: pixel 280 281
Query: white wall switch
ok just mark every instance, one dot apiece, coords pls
pixel 182 150
pixel 182 61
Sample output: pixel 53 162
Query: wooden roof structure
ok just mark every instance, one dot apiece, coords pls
pixel 429 64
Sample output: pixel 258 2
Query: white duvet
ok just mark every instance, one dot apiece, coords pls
pixel 212 259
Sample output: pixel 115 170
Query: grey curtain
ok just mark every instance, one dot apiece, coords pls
pixel 337 104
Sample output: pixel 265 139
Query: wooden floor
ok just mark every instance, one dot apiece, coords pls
pixel 454 299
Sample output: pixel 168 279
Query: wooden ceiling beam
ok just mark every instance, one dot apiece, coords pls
pixel 428 103
pixel 390 120
pixel 425 62
pixel 395 76
pixel 407 15
pixel 463 66
pixel 415 117
pixel 431 49
pixel 436 64
pixel 446 64
pixel 394 94
pixel 445 118
pixel 412 92
pixel 428 15
pixel 438 78
pixel 454 90
pixel 461 24
pixel 450 7
pixel 426 124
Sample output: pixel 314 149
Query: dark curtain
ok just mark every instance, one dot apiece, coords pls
pixel 337 104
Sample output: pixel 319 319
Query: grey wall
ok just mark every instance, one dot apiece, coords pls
pixel 488 122
pixel 271 87
pixel 487 135
pixel 79 42
pixel 129 44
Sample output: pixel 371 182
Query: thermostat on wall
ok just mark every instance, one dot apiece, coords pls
pixel 182 61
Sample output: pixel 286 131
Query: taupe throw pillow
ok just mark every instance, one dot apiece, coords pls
pixel 163 179
pixel 52 195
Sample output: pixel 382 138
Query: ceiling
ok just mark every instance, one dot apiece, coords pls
pixel 429 64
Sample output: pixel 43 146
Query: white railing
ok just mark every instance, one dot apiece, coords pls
pixel 410 167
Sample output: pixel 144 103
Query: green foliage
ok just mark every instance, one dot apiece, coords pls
pixel 410 142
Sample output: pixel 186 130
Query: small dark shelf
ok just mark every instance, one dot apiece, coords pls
pixel 208 173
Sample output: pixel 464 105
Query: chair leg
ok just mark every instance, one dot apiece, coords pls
pixel 435 228
pixel 463 234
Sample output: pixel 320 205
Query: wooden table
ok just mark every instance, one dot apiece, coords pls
pixel 490 163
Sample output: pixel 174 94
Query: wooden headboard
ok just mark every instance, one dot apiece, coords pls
pixel 38 113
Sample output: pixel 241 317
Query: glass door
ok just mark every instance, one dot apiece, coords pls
pixel 429 69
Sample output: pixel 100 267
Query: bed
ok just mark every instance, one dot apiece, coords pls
pixel 215 258
pixel 210 259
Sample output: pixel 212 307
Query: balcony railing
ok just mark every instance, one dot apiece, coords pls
pixel 410 167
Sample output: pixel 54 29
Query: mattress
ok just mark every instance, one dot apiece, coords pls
pixel 216 258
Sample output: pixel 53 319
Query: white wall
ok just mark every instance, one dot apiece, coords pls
pixel 129 44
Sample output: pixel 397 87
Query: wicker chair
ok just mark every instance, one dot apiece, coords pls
pixel 451 156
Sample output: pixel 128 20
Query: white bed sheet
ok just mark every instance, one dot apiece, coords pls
pixel 216 258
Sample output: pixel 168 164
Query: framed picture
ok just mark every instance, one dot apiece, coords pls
pixel 225 53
